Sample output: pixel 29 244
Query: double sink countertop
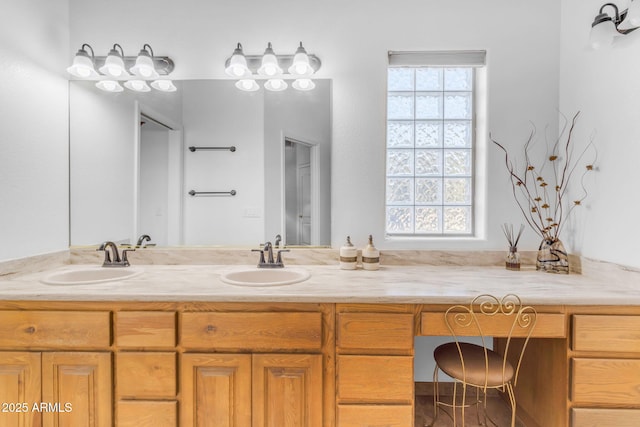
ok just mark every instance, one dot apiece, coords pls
pixel 599 283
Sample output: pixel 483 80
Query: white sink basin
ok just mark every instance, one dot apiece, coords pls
pixel 265 276
pixel 90 276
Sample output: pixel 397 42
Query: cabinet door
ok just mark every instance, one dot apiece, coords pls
pixel 19 389
pixel 287 390
pixel 216 390
pixel 76 389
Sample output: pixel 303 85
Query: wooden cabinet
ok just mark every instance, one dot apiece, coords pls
pixel 55 389
pixel 605 370
pixel 216 390
pixel 52 387
pixel 79 383
pixel 374 367
pixel 263 384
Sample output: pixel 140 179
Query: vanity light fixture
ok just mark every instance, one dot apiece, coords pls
pixel 247 85
pixel 144 64
pixel 83 65
pixel 249 68
pixel 301 66
pixel 269 65
pixel 605 27
pixel 238 64
pixel 144 67
pixel 164 85
pixel 137 85
pixel 275 85
pixel 114 64
pixel 303 84
pixel 109 86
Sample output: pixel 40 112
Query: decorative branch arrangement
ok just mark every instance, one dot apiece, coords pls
pixel 540 190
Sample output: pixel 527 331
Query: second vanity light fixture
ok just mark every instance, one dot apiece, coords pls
pixel 275 69
pixel 135 71
pixel 604 27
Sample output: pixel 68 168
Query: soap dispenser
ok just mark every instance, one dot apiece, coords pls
pixel 370 256
pixel 348 256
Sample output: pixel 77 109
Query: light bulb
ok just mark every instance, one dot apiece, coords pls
pixel 270 70
pixel 114 71
pixel 246 84
pixel 276 84
pixel 83 72
pixel 145 72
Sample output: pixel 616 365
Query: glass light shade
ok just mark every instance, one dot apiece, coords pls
pixel 164 85
pixel 109 86
pixel 113 65
pixel 300 65
pixel 247 85
pixel 275 85
pixel 144 66
pixel 82 66
pixel 269 65
pixel 303 84
pixel 632 20
pixel 602 34
pixel 137 85
pixel 238 64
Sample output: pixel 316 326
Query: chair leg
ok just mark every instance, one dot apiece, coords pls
pixel 512 398
pixel 436 396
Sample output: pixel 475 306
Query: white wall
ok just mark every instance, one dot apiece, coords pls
pixel 34 49
pixel 352 39
pixel 604 85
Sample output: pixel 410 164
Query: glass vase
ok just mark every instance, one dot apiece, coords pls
pixel 552 257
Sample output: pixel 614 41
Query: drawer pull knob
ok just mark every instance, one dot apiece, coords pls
pixel 211 328
pixel 30 329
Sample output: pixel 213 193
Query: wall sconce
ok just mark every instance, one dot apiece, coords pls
pixel 604 27
pixel 146 66
pixel 249 68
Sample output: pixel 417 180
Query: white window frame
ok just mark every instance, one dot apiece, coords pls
pixel 453 59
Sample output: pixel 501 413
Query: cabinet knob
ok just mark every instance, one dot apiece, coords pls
pixel 211 328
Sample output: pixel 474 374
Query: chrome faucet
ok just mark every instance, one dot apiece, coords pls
pixel 142 239
pixel 112 256
pixel 270 263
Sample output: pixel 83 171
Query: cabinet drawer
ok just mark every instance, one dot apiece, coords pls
pixel 251 331
pixel 606 381
pixel 548 325
pixel 145 329
pixel 375 415
pixel 146 375
pixel 147 414
pixel 375 379
pixel 385 332
pixel 60 330
pixel 586 417
pixel 606 333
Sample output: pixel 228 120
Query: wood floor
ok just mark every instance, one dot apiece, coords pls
pixel 497 408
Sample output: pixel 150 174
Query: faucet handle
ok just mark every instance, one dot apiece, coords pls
pixel 279 259
pixel 125 260
pixel 261 261
pixel 107 257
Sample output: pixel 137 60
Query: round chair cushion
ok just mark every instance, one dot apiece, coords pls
pixel 448 360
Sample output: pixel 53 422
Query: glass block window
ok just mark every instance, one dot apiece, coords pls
pixel 429 165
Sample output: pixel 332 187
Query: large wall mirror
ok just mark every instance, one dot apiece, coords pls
pixel 132 170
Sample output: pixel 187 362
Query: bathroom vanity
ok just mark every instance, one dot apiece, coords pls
pixel 175 346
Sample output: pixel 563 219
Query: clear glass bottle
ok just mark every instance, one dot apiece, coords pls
pixel 512 261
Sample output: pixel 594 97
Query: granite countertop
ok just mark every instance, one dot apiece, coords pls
pixel 411 284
